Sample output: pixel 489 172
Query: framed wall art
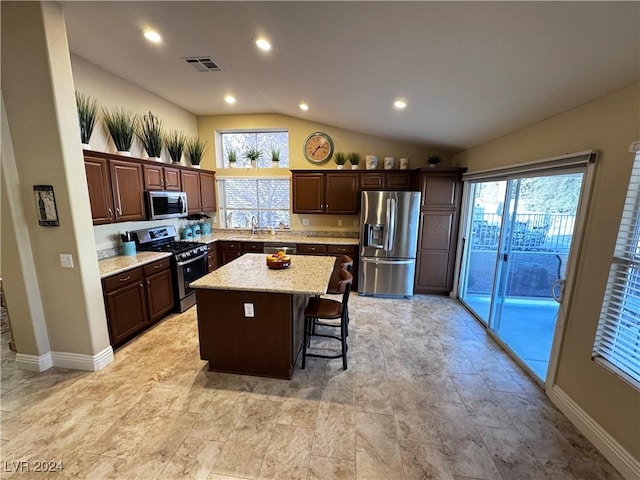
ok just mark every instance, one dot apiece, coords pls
pixel 46 206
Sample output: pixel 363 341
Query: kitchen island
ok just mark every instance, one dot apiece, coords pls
pixel 251 318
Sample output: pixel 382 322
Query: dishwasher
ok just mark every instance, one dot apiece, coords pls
pixel 287 248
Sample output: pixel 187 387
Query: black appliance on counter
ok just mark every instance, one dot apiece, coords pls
pixel 188 262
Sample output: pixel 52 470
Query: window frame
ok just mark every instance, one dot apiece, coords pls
pixel 220 160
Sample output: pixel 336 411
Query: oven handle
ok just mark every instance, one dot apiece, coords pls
pixel 191 260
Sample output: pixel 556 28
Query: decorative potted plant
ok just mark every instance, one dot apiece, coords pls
pixel 175 144
pixel 150 134
pixel 122 126
pixel 433 160
pixel 340 158
pixel 232 157
pixel 354 160
pixel 87 113
pixel 253 154
pixel 275 157
pixel 196 148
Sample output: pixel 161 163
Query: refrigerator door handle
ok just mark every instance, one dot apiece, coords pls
pixel 392 213
pixel 386 262
pixel 385 238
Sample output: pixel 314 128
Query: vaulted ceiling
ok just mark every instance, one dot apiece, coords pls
pixel 468 71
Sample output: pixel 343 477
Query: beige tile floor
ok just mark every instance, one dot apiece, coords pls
pixel 427 395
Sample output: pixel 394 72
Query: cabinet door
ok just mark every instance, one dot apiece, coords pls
pixel 208 191
pixel 127 185
pixel 126 306
pixel 308 192
pixel 153 177
pixel 252 247
pixel 399 181
pixel 371 181
pixel 172 179
pixel 341 193
pixel 229 251
pixel 440 191
pixel 191 185
pixel 212 257
pixel 159 294
pixel 100 196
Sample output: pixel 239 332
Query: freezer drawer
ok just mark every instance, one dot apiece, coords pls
pixel 386 277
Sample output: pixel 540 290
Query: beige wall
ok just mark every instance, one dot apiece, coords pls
pixel 608 124
pixel 112 91
pixel 42 120
pixel 298 128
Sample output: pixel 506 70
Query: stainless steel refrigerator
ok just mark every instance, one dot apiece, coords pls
pixel 388 243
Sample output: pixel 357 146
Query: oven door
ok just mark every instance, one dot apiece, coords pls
pixel 189 271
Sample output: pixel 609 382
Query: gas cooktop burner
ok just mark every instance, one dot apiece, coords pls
pixel 162 239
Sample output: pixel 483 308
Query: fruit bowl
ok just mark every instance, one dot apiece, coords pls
pixel 278 261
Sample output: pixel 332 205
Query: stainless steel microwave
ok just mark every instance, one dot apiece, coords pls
pixel 163 204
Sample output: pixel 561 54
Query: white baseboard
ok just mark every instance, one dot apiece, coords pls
pixel 620 458
pixel 80 361
pixel 76 361
pixel 34 363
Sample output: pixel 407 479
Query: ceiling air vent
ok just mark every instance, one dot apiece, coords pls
pixel 202 64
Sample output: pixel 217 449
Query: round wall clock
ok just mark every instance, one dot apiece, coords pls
pixel 318 147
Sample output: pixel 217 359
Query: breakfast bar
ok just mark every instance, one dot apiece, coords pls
pixel 251 317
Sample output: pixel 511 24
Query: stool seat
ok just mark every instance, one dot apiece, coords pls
pixel 345 262
pixel 323 308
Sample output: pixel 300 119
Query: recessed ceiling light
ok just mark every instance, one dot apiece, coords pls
pixel 304 106
pixel 262 43
pixel 152 36
pixel 399 104
pixel 230 99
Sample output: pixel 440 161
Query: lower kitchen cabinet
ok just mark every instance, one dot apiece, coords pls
pixel 136 299
pixel 229 251
pixel 335 250
pixel 212 257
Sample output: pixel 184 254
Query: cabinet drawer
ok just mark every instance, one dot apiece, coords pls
pixel 312 248
pixel 156 267
pixel 342 249
pixel 230 246
pixel 123 279
pixel 255 247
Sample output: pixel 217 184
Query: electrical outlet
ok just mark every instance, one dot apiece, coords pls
pixel 339 222
pixel 248 310
pixel 305 222
pixel 66 260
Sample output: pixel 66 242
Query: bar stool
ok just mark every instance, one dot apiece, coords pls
pixel 327 309
pixel 343 262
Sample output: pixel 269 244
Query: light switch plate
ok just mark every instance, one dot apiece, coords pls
pixel 339 222
pixel 248 310
pixel 66 260
pixel 305 222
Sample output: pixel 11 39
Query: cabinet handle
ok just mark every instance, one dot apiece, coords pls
pixel 110 212
pixel 125 278
pixel 141 286
pixel 148 282
pixel 118 211
pixel 157 267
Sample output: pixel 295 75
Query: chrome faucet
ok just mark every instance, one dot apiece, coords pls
pixel 254 225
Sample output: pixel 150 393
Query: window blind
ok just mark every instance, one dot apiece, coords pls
pixel 618 336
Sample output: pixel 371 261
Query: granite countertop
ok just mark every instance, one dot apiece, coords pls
pixel 121 263
pixel 308 275
pixel 265 237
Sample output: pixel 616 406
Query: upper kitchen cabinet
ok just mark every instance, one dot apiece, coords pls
pixel 157 177
pixel 127 186
pixel 388 180
pixel 200 187
pixel 325 192
pixel 100 196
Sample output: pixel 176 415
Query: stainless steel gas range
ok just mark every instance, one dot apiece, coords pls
pixel 189 260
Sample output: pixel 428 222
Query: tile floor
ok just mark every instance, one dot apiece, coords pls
pixel 427 395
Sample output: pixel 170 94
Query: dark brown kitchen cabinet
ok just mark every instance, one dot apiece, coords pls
pixel 157 177
pixel 100 195
pixel 329 193
pixel 441 192
pixel 137 298
pixel 126 304
pixel 208 191
pixel 191 185
pixel 388 180
pixel 311 249
pixel 127 186
pixel 212 257
pixel 201 190
pixel 159 289
pixel 229 251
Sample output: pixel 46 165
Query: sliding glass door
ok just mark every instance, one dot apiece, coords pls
pixel 516 249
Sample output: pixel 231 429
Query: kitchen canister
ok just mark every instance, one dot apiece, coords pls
pixel 371 162
pixel 195 230
pixel 187 233
pixel 404 163
pixel 128 248
pixel 389 163
pixel 205 228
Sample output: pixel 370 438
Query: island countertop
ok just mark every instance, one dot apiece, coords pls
pixel 307 275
